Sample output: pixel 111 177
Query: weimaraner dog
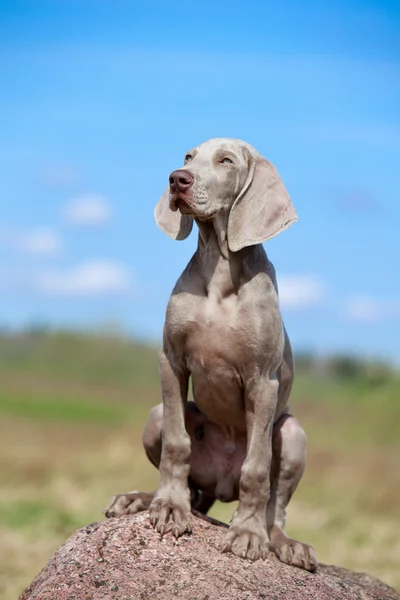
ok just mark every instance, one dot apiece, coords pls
pixel 223 327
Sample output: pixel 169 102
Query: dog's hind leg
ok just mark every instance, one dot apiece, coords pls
pixel 288 462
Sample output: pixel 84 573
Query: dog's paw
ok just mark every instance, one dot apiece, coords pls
pixel 128 504
pixel 246 541
pixel 170 511
pixel 297 554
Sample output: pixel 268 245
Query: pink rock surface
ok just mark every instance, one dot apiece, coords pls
pixel 124 559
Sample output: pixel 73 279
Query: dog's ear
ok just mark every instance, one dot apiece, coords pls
pixel 262 209
pixel 174 224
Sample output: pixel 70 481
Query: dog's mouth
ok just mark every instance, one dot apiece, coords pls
pixel 188 207
pixel 182 204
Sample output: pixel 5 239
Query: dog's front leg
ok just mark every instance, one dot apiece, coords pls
pixel 247 536
pixel 170 508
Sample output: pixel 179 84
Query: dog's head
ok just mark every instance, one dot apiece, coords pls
pixel 230 176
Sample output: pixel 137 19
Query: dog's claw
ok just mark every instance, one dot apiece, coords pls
pixel 296 554
pixel 169 512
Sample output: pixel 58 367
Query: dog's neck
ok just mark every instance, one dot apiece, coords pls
pixel 221 270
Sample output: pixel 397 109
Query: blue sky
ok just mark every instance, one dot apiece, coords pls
pixel 100 101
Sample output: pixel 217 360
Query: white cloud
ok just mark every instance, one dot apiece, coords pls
pixel 300 291
pixel 40 241
pixel 88 209
pixel 364 308
pixel 88 278
pixel 44 241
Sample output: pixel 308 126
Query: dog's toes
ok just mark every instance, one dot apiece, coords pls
pixel 296 554
pixel 240 546
pixel 129 503
pixel 257 549
pixel 167 515
pixel 245 544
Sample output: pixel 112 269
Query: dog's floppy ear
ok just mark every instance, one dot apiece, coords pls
pixel 174 224
pixel 262 209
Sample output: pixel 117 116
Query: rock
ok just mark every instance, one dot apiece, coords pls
pixel 125 559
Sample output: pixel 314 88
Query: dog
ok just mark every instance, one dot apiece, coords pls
pixel 223 328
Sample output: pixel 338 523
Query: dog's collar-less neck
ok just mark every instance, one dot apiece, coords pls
pixel 222 275
pixel 213 234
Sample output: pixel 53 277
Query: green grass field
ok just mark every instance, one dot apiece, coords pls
pixel 73 408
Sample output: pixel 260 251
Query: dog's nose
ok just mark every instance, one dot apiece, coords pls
pixel 180 180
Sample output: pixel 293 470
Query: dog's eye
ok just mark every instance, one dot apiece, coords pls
pixel 188 157
pixel 227 160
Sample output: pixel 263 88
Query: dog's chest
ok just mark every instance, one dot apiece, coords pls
pixel 212 356
pixel 212 330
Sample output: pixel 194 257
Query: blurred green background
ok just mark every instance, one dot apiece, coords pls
pixel 73 407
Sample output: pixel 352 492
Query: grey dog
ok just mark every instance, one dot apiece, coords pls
pixel 223 327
